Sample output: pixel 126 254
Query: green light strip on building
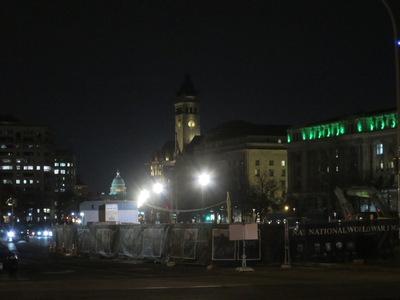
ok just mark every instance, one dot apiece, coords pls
pixel 362 124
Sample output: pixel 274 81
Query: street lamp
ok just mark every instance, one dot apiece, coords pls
pixel 204 180
pixel 143 197
pixel 158 188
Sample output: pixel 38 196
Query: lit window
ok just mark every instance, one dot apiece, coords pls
pixel 62 164
pixel 6 167
pixel 379 149
pixel 46 168
pixel 56 171
pixel 38 168
pixel 56 164
pixel 283 163
pixel 31 181
pixel 18 181
pixel 62 171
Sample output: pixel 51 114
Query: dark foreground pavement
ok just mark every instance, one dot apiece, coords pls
pixel 83 278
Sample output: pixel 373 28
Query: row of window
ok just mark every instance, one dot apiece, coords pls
pixel 188 110
pixel 19 181
pixel 63 164
pixel 57 171
pixel 380 166
pixel 26 181
pixel 270 163
pixel 16 146
pixel 29 168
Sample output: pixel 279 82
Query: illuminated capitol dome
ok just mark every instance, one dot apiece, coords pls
pixel 118 187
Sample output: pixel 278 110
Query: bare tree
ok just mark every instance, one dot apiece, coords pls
pixel 264 196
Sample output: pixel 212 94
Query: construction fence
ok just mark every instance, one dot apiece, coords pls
pixel 205 244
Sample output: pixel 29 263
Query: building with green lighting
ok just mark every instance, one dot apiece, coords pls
pixel 356 150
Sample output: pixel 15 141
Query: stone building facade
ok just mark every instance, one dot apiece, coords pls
pixel 356 150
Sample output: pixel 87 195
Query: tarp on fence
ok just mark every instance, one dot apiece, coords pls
pixel 210 244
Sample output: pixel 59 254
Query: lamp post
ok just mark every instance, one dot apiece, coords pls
pixel 204 180
pixel 158 189
pixel 142 198
pixel 396 42
pixel 144 195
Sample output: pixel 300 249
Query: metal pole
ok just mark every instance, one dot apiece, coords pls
pixel 397 70
pixel 171 198
pixel 244 254
pixel 202 204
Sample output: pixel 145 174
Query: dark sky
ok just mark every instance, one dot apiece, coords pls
pixel 104 74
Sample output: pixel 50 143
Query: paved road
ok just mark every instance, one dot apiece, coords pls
pixel 44 276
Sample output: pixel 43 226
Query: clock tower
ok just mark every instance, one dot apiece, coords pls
pixel 187 114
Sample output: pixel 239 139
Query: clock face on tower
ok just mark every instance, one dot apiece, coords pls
pixel 191 123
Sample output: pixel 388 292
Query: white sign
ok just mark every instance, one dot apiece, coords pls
pixel 239 232
pixel 111 212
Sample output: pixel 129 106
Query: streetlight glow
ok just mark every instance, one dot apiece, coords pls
pixel 143 196
pixel 204 179
pixel 158 188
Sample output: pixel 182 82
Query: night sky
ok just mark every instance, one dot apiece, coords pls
pixel 104 74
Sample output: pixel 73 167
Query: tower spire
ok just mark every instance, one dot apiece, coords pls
pixel 187 88
pixel 187 115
